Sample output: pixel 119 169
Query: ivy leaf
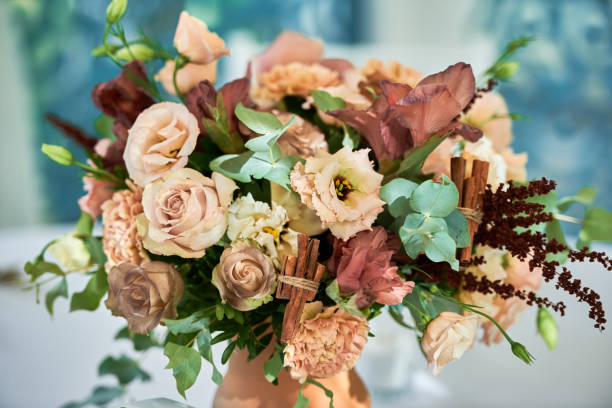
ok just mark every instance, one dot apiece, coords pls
pixel 94 245
pixel 411 166
pixel 38 267
pixel 440 247
pixel 435 199
pixel 458 228
pixel 597 226
pixel 190 324
pixel 585 196
pixel 59 290
pixel 396 194
pixel 185 363
pixel 302 401
pixel 124 368
pixel 326 102
pixel 273 366
pixel 204 345
pixel 89 298
pixel 140 341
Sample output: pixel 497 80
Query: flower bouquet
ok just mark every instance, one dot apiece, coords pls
pixel 283 211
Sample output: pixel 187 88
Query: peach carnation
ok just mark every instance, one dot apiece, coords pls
pixel 120 240
pixel 327 342
pixel 375 71
pixel 342 188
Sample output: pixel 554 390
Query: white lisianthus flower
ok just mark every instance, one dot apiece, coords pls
pixel 71 253
pixel 256 221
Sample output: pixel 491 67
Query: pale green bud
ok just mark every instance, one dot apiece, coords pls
pixel 135 51
pixel 547 327
pixel 521 352
pixel 103 50
pixel 115 10
pixel 58 154
pixel 506 70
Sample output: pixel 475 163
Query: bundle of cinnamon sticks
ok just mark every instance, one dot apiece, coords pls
pixel 308 272
pixel 470 196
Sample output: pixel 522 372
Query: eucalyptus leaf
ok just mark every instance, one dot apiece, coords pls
pixel 326 102
pixel 265 142
pixel 435 199
pixel 185 363
pixel 440 247
pixel 396 194
pixel 458 228
pixel 259 122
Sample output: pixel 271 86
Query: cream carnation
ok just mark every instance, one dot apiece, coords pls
pixel 342 188
pixel 185 213
pixel 120 239
pixel 256 221
pixel 326 343
pixel 161 139
pixel 447 337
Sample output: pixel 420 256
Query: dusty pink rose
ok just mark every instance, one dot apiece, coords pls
pixel 326 343
pixel 342 188
pixel 363 266
pixel 187 78
pixel 302 139
pixel 509 310
pixel 447 337
pixel 144 294
pixel 193 40
pixel 120 239
pixel 185 213
pixel 161 139
pixel 98 191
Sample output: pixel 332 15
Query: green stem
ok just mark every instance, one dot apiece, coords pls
pixel 469 309
pixel 178 64
pixel 567 218
pixel 100 172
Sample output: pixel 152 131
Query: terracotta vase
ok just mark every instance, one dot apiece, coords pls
pixel 245 386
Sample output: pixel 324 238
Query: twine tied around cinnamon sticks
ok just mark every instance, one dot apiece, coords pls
pixel 299 282
pixel 470 196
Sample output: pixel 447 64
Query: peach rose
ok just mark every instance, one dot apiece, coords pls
pixel 188 77
pixel 120 240
pixel 327 342
pixel 245 277
pixel 193 40
pixel 302 139
pixel 447 337
pixel 185 213
pixel 301 218
pixel 161 139
pixel 342 188
pixel 515 164
pixel 144 294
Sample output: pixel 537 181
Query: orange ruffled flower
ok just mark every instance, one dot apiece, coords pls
pixel 326 344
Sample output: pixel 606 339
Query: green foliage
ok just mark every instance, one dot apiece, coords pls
pixel 59 290
pixel 273 366
pixel 327 102
pixel 139 341
pixel 302 401
pixel 396 313
pixel 346 303
pixel 100 396
pixel 135 51
pixel 218 129
pixel 204 340
pixel 123 368
pixel 328 393
pixel 185 363
pixel 104 127
pixel 585 196
pixel 396 194
pixel 190 324
pixel 84 225
pixel 411 166
pixel 89 298
pixel 39 266
pixel 263 123
pixel 94 246
pixel 503 69
pixel 597 226
pixel 435 199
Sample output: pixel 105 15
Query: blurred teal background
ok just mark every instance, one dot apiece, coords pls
pixel 564 86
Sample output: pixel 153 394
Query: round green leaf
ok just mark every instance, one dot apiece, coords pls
pixel 435 199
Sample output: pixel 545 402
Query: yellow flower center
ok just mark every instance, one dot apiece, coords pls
pixel 343 187
pixel 275 233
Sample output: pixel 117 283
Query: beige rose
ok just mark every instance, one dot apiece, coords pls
pixel 302 139
pixel 187 77
pixel 245 277
pixel 193 40
pixel 301 218
pixel 185 213
pixel 161 139
pixel 120 239
pixel 342 188
pixel 144 294
pixel 447 337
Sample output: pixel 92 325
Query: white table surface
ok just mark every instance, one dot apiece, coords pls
pixel 46 362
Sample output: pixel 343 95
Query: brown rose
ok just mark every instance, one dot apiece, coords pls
pixel 245 277
pixel 144 294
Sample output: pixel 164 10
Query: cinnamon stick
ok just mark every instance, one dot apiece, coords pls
pixel 470 198
pixel 458 174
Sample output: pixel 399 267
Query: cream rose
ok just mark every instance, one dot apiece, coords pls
pixel 185 213
pixel 193 40
pixel 447 337
pixel 144 294
pixel 245 277
pixel 187 77
pixel 161 139
pixel 342 188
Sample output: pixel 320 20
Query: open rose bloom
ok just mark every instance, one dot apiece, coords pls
pixel 284 210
